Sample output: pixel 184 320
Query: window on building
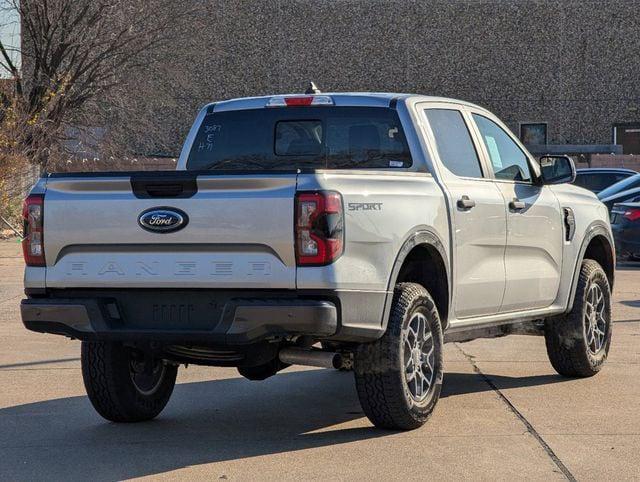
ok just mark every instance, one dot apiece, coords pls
pixel 454 143
pixel 533 133
pixel 627 136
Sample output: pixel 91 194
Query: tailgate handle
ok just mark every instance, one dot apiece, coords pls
pixel 164 190
pixel 149 187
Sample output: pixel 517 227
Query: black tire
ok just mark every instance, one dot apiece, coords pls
pixel 108 373
pixel 381 367
pixel 566 337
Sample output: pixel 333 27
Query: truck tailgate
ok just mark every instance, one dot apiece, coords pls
pixel 239 231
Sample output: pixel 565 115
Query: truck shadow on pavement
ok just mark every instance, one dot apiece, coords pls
pixel 631 304
pixel 205 422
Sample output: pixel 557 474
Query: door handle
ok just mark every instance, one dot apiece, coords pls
pixel 465 203
pixel 517 205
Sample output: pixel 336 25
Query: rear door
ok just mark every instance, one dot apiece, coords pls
pixel 238 233
pixel 533 256
pixel 478 214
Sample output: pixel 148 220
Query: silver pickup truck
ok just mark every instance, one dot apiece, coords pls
pixel 342 230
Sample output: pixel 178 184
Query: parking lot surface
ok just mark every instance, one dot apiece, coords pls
pixel 504 414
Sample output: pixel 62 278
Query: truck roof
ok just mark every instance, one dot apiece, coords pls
pixel 366 99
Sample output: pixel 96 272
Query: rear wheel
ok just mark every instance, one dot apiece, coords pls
pixel 399 377
pixel 124 385
pixel 578 342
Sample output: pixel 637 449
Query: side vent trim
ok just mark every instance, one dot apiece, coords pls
pixel 569 224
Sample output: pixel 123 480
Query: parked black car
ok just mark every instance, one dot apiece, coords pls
pixel 599 178
pixel 625 224
pixel 627 190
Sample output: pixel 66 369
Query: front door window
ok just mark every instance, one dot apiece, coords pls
pixel 509 161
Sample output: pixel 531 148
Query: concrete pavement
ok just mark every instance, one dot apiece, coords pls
pixel 504 415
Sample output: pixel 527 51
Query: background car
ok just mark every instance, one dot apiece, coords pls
pixel 627 190
pixel 598 179
pixel 625 224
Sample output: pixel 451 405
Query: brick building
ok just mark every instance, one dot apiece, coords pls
pixel 561 73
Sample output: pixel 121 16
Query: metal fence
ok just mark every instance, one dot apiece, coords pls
pixel 120 164
pixel 22 182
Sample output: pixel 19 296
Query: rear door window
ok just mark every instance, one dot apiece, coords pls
pixel 623 185
pixel 301 137
pixel 596 182
pixel 453 142
pixel 587 181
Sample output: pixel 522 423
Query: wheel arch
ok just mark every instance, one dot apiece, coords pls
pixel 422 254
pixel 597 245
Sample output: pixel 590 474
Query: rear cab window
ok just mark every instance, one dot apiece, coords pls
pixel 596 181
pixel 300 138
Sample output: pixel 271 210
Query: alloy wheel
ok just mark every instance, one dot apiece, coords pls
pixel 595 322
pixel 419 357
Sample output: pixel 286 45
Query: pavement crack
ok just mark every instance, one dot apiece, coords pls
pixel 23 365
pixel 545 446
pixel 10 299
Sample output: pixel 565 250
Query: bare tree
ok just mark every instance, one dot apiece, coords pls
pixel 75 53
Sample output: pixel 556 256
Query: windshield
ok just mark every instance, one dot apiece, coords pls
pixel 625 184
pixel 301 137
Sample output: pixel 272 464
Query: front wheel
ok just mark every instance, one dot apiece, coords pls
pixel 578 342
pixel 399 377
pixel 124 385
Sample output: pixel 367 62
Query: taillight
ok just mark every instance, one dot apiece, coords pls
pixel 319 228
pixel 33 242
pixel 632 214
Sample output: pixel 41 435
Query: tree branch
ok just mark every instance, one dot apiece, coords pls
pixel 12 68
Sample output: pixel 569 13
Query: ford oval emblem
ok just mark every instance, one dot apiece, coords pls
pixel 163 220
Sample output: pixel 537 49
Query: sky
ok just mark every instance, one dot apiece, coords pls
pixel 9 31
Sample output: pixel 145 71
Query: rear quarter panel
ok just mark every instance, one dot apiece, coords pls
pixel 382 210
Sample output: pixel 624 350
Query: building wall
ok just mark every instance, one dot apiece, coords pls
pixel 571 63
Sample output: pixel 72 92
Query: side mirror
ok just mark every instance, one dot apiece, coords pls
pixel 557 169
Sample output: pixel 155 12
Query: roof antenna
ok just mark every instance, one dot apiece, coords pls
pixel 312 89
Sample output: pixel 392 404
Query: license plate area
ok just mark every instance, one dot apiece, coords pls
pixel 165 311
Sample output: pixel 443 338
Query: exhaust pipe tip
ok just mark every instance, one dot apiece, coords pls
pixel 311 358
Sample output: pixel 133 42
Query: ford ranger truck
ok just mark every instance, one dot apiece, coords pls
pixel 340 230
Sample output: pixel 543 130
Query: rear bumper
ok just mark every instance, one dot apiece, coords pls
pixel 175 318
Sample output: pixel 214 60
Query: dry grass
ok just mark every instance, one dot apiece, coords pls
pixel 11 190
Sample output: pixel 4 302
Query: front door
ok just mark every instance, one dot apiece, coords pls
pixel 533 255
pixel 478 216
